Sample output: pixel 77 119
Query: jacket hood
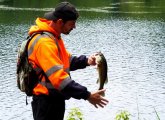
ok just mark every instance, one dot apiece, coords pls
pixel 42 25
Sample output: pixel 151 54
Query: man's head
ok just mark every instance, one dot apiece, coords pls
pixel 65 14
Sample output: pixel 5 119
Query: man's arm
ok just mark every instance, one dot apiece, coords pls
pixel 78 91
pixel 81 62
pixel 78 62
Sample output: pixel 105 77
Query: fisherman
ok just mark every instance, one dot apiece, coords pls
pixel 46 51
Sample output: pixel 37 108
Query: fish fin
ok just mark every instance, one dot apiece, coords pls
pixel 97 81
pixel 102 94
pixel 106 81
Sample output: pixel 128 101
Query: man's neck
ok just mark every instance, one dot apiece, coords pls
pixel 55 27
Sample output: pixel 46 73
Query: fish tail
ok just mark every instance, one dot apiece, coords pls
pixel 102 94
pixel 106 81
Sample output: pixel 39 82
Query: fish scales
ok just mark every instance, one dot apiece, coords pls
pixel 102 69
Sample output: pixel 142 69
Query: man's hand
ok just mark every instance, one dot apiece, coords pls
pixel 97 100
pixel 92 60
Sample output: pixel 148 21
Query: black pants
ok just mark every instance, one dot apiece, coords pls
pixel 48 108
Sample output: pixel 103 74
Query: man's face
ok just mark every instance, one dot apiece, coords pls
pixel 68 26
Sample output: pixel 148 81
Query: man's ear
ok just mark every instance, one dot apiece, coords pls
pixel 60 22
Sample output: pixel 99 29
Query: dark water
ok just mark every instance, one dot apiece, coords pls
pixel 131 36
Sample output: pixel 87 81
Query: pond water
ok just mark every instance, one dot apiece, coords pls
pixel 130 35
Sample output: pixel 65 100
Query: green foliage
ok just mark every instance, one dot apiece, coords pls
pixel 123 115
pixel 75 114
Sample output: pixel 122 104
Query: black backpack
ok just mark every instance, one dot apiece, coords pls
pixel 27 78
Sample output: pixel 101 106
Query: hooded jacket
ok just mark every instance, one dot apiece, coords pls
pixel 47 53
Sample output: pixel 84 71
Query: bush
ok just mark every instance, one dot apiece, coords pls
pixel 123 115
pixel 75 114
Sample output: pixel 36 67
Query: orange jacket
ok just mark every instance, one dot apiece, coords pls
pixel 48 53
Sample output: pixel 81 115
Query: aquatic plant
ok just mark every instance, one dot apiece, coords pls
pixel 123 115
pixel 75 114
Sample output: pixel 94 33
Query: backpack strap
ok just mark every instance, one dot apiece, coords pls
pixel 54 38
pixel 25 51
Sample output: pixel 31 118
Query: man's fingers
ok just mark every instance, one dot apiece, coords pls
pixel 95 106
pixel 101 105
pixel 105 100
pixel 104 103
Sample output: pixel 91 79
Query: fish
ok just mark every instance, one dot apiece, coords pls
pixel 102 69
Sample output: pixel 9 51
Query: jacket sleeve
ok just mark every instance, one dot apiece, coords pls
pixel 76 91
pixel 78 62
pixel 53 68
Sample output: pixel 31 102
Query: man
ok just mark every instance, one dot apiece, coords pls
pixel 47 53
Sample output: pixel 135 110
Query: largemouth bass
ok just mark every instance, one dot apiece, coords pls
pixel 102 70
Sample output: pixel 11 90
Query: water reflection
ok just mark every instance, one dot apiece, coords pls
pixel 104 9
